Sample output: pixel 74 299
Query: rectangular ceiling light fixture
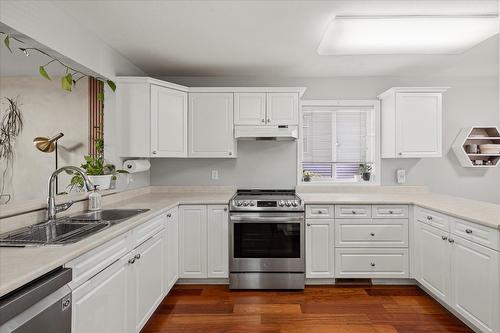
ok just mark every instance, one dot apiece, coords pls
pixel 357 35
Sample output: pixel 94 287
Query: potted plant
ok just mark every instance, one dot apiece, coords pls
pixel 365 170
pixel 307 175
pixel 100 173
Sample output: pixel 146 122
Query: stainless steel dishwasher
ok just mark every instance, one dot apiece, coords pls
pixel 43 306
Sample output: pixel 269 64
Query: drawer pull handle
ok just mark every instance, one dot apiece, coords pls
pixel 169 215
pixel 372 234
pixel 429 218
pixel 451 240
pixel 372 264
pixel 444 238
pixel 469 231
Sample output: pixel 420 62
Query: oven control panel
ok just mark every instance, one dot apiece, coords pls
pixel 266 204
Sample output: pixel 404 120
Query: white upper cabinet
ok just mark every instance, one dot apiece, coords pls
pixel 282 108
pixel 411 122
pixel 250 108
pixel 211 125
pixel 168 122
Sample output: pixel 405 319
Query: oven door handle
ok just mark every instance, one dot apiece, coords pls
pixel 267 219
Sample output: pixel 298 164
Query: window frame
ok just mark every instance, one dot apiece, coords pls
pixel 374 104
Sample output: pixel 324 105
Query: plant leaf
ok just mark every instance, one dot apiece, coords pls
pixel 100 97
pixel 6 41
pixel 43 72
pixel 111 84
pixel 67 82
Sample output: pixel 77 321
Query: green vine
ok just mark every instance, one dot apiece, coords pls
pixel 72 76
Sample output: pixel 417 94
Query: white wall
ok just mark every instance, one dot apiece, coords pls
pixel 470 101
pixel 48 24
pixel 47 110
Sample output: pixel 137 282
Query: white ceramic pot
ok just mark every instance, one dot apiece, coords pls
pixel 103 182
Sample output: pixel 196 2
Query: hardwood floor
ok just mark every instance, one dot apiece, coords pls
pixel 317 309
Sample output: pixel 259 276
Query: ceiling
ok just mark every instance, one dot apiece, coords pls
pixel 267 38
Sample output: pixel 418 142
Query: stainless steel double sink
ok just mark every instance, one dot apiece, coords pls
pixel 67 230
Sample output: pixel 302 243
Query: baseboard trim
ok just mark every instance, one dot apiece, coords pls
pixel 398 282
pixel 203 281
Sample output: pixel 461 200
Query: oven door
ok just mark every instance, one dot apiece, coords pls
pixel 266 242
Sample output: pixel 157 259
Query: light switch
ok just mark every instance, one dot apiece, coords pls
pixel 215 174
pixel 401 176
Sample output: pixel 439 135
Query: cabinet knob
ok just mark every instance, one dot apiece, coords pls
pixel 137 256
pixel 391 212
pixel 309 224
pixel 451 240
pixel 131 261
pixel 263 120
pixel 429 218
pixel 372 234
pixel 444 238
pixel 169 215
pixel 230 154
pixel 320 212
pixel 354 212
pixel 225 209
pixel 400 154
pixel 469 231
pixel 372 264
pixel 268 120
pixel 154 152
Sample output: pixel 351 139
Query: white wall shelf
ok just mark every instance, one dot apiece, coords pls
pixel 478 135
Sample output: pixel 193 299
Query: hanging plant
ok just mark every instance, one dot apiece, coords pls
pixel 72 76
pixel 11 125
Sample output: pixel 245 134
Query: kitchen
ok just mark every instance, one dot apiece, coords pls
pixel 252 177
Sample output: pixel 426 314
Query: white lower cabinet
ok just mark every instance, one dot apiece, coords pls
pixel 203 246
pixel 371 263
pixel 432 254
pixel 100 304
pixel 217 242
pixel 475 284
pixel 146 280
pixel 320 248
pixel 171 249
pixel 462 273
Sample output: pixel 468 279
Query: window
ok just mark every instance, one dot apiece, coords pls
pixel 336 140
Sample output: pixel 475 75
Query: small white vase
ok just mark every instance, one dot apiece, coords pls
pixel 102 182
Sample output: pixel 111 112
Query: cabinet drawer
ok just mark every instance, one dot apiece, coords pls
pixel 371 233
pixel 148 230
pixel 89 264
pixel 371 263
pixel 476 233
pixel 430 217
pixel 390 211
pixel 353 211
pixel 320 211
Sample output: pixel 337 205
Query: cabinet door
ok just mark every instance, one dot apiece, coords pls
pixel 282 108
pixel 218 241
pixel 433 260
pixel 211 125
pixel 249 108
pixel 319 248
pixel 418 125
pixel 172 249
pixel 476 284
pixel 193 241
pixel 147 276
pixel 168 122
pixel 100 304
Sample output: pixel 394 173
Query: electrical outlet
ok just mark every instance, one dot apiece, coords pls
pixel 215 174
pixel 401 176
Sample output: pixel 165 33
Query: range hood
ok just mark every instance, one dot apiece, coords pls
pixel 266 132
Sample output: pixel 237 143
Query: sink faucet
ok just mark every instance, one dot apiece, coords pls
pixel 52 208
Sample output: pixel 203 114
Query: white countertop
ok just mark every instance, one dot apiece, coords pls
pixel 483 213
pixel 19 266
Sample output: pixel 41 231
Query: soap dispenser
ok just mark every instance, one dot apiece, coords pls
pixel 95 199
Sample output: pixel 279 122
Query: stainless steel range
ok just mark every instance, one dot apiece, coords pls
pixel 266 240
